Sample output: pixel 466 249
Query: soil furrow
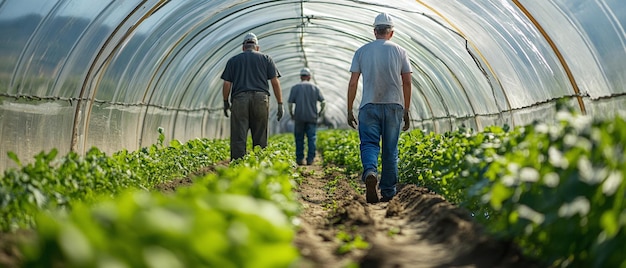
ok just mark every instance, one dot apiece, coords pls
pixel 417 228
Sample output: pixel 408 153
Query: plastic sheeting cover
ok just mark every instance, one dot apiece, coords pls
pixel 79 73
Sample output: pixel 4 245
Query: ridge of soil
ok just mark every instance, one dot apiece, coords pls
pixel 417 228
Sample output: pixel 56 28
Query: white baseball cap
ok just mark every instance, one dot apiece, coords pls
pixel 383 19
pixel 250 38
pixel 305 71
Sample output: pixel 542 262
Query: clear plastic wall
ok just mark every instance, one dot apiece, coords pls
pixel 81 73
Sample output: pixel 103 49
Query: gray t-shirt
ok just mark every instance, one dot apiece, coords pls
pixel 305 95
pixel 249 71
pixel 381 63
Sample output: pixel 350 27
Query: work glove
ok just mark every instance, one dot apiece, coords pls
pixel 226 107
pixel 322 108
pixel 351 120
pixel 407 122
pixel 320 114
pixel 279 113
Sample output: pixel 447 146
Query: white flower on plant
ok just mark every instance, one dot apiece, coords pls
pixel 581 122
pixel 556 158
pixel 513 167
pixel 528 213
pixel 509 180
pixel 472 159
pixel 556 131
pixel 551 179
pixel 564 116
pixel 542 128
pixel 578 122
pixel 572 140
pixel 612 182
pixel 580 205
pixel 589 174
pixel 529 174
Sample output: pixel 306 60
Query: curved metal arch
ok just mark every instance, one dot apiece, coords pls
pixel 102 59
pixel 557 52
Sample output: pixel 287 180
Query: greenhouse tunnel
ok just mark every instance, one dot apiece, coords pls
pixel 75 74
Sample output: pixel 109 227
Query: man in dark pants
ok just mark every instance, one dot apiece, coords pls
pixel 305 96
pixel 384 105
pixel 245 80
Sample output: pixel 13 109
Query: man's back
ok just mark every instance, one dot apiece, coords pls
pixel 249 71
pixel 381 62
pixel 305 95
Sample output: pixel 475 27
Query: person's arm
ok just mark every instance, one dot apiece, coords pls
pixel 226 89
pixel 278 93
pixel 321 100
pixel 352 86
pixel 406 91
pixel 225 93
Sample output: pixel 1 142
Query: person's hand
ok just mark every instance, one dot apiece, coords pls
pixel 351 120
pixel 279 113
pixel 226 107
pixel 407 122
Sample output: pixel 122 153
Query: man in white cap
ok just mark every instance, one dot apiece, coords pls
pixel 304 96
pixel 385 103
pixel 245 81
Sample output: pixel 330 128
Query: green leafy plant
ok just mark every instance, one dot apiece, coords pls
pixel 53 182
pixel 234 217
pixel 556 189
pixel 560 191
pixel 350 242
pixel 341 147
pixel 141 229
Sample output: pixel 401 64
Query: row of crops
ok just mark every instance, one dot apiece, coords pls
pixel 107 211
pixel 556 189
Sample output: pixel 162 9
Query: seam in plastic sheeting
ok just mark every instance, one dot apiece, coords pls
pixel 476 58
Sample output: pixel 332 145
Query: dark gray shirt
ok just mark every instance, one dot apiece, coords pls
pixel 249 71
pixel 305 95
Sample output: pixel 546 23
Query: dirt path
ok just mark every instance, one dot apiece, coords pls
pixel 416 229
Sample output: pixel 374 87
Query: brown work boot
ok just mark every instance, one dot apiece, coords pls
pixel 371 196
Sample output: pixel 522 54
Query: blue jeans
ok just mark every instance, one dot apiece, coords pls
pixel 300 130
pixel 381 123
